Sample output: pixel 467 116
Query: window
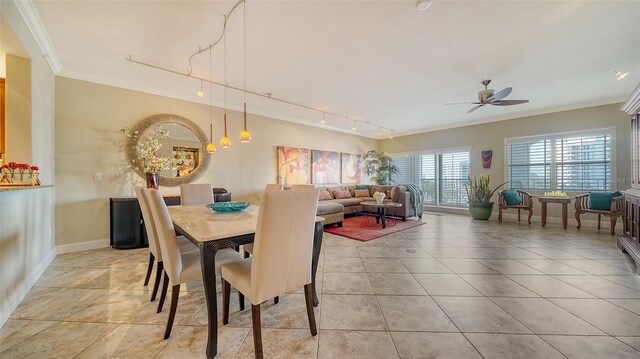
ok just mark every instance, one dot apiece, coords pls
pixel 566 162
pixel 441 175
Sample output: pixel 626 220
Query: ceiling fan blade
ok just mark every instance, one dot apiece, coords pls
pixel 475 108
pixel 463 103
pixel 508 102
pixel 500 95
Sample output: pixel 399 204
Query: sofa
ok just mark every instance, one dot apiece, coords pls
pixel 334 209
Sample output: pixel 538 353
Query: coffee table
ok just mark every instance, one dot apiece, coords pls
pixel 565 201
pixel 381 217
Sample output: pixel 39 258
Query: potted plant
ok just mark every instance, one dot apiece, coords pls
pixel 380 167
pixel 479 195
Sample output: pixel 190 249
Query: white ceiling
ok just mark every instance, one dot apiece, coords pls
pixel 379 61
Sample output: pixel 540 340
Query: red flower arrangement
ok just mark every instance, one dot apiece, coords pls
pixel 12 169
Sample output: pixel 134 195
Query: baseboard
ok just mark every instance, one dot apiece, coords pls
pixel 21 291
pixel 82 246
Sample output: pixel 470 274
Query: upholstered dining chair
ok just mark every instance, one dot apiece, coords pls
pixel 196 193
pixel 154 247
pixel 273 187
pixel 179 267
pixel 281 260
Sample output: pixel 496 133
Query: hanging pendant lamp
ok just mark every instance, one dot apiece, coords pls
pixel 211 147
pixel 245 136
pixel 225 142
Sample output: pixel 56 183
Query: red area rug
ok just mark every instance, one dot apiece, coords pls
pixel 360 227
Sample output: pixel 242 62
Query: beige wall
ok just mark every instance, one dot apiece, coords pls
pixel 491 136
pixel 27 244
pixel 18 109
pixel 89 117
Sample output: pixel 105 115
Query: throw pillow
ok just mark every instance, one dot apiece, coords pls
pixel 362 193
pixel 601 201
pixel 362 186
pixel 324 195
pixel 342 194
pixel 392 194
pixel 387 194
pixel 511 197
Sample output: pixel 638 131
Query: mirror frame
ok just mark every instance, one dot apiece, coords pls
pixel 142 126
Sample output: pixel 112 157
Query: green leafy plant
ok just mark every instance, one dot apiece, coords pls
pixel 380 167
pixel 479 190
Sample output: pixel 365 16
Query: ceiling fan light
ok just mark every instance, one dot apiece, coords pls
pixel 423 5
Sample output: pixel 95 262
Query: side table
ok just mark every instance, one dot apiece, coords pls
pixel 562 200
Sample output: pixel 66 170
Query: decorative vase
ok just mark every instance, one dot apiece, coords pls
pixel 481 211
pixel 153 180
pixel 379 197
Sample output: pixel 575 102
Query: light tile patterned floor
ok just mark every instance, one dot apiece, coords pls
pixel 452 288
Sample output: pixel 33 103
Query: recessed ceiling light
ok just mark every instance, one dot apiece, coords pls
pixel 621 75
pixel 423 5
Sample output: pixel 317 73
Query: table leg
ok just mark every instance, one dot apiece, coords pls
pixel 208 264
pixel 378 215
pixel 383 218
pixel 317 246
pixel 543 213
pixel 564 215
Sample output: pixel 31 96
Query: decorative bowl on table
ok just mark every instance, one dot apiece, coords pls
pixel 227 207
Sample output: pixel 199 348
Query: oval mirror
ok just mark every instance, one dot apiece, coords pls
pixel 186 146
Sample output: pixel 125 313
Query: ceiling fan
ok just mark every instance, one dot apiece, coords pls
pixel 487 97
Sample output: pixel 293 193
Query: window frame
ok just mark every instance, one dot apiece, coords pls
pixel 554 137
pixel 437 152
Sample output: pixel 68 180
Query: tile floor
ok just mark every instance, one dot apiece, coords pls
pixel 452 288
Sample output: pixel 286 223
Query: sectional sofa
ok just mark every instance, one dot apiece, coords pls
pixel 334 209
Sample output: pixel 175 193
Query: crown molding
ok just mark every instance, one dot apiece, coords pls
pixel 32 19
pixel 632 105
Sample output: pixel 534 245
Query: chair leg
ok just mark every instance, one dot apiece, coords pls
pixel 530 214
pixel 149 269
pixel 241 300
pixel 578 219
pixel 599 217
pixel 175 293
pixel 156 285
pixel 310 314
pixel 518 214
pixel 257 330
pixel 276 300
pixel 614 218
pixel 163 294
pixel 500 214
pixel 226 295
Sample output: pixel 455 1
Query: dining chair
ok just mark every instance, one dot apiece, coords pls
pixel 154 247
pixel 248 248
pixel 281 261
pixel 179 267
pixel 273 187
pixel 196 193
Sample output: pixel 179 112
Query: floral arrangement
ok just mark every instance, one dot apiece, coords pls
pixel 146 151
pixel 555 194
pixel 20 173
pixel 379 197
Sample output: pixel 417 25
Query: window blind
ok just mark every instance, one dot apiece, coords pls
pixel 583 163
pixel 453 175
pixel 529 165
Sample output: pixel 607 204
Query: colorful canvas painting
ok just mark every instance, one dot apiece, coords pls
pixel 325 167
pixel 351 168
pixel 293 165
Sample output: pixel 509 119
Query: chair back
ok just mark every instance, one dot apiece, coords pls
pixel 196 193
pixel 149 225
pixel 273 187
pixel 302 186
pixel 166 235
pixel 283 244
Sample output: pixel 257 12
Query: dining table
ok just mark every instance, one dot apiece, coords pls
pixel 213 231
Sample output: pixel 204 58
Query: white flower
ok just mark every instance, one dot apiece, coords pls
pixel 146 150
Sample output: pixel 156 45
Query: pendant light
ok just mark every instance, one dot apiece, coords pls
pixel 225 142
pixel 200 93
pixel 211 148
pixel 245 136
